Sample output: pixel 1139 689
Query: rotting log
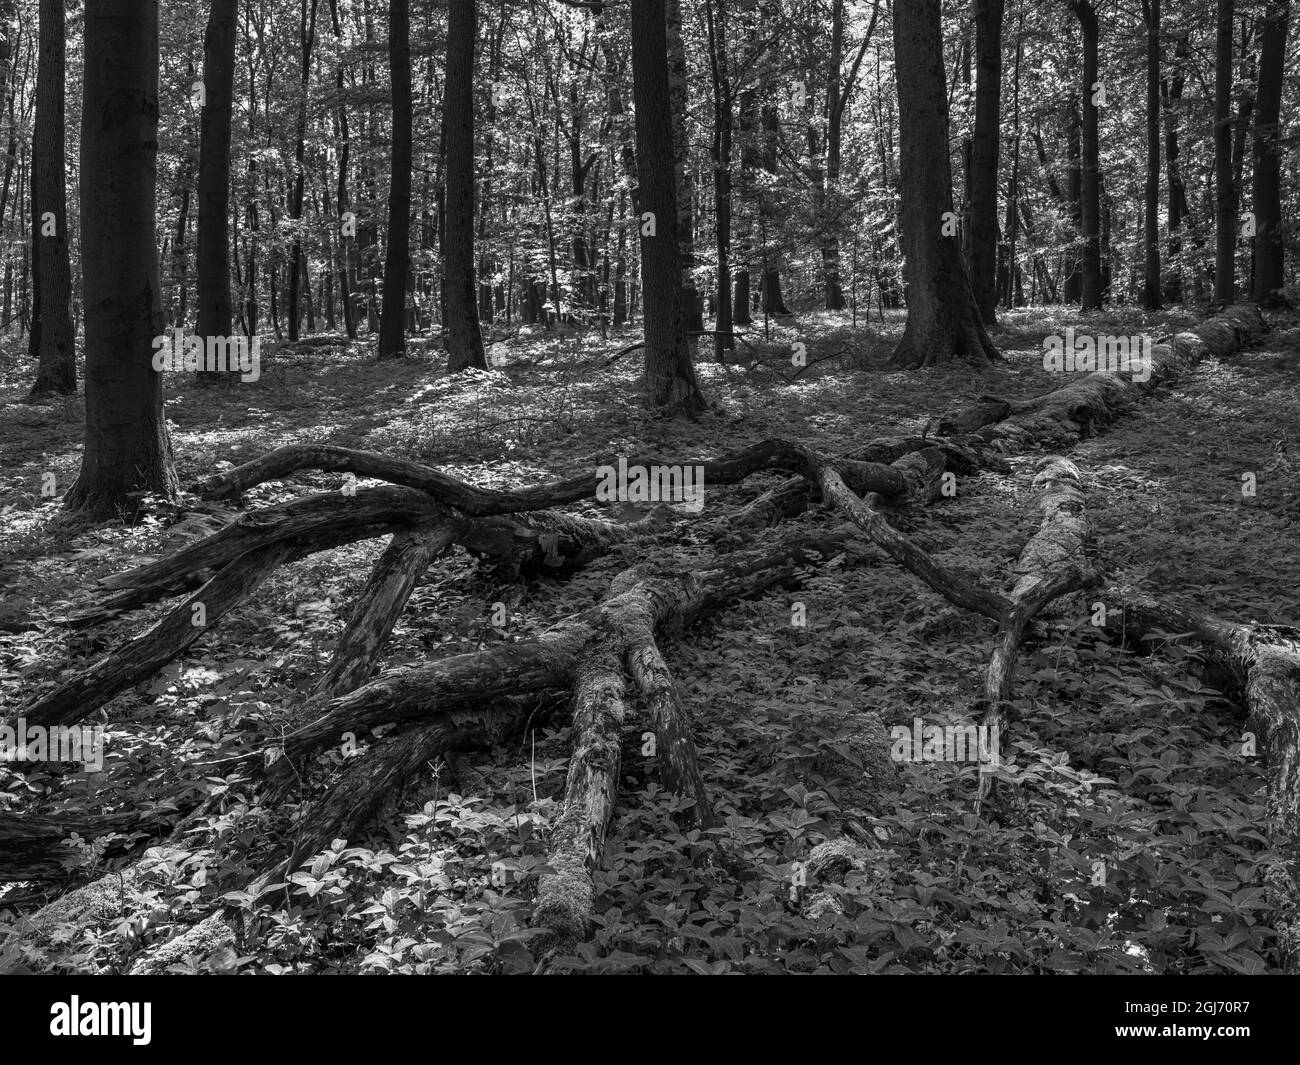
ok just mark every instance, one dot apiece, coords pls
pixel 564 897
pixel 541 542
pixel 461 682
pixel 959 587
pixel 380 604
pixel 141 657
pixel 1071 413
pixel 1051 564
pixel 1263 661
pixel 1077 409
pixel 33 846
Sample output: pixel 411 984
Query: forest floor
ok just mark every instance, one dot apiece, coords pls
pixel 1122 759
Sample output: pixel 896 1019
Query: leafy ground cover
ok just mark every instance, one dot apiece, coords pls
pixel 1130 762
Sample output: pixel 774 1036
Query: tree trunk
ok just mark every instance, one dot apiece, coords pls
pixel 464 341
pixel 715 12
pixel 1269 250
pixel 127 449
pixel 1007 267
pixel 678 87
pixel 1151 209
pixel 1225 193
pixel 213 252
pixel 670 376
pixel 943 322
pixel 347 233
pixel 1090 167
pixel 1074 194
pixel 1172 89
pixel 769 280
pixel 297 263
pixel 392 325
pixel 57 371
pixel 982 237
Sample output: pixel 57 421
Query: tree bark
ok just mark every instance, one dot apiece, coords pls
pixel 392 324
pixel 1090 166
pixel 1172 90
pixel 669 375
pixel 127 449
pixel 1262 662
pixel 1225 193
pixel 52 273
pixel 678 99
pixel 1269 249
pixel 297 263
pixel 1151 297
pixel 464 340
pixel 715 12
pixel 943 321
pixel 213 252
pixel 982 238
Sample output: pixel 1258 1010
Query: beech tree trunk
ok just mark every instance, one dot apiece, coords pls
pixel 392 324
pixel 213 252
pixel 715 13
pixel 982 237
pixel 1172 90
pixel 943 321
pixel 1225 192
pixel 52 275
pixel 692 304
pixel 1269 250
pixel 1090 167
pixel 1074 194
pixel 464 340
pixel 1151 298
pixel 297 264
pixel 127 447
pixel 670 376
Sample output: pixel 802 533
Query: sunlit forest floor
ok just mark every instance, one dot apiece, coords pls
pixel 1123 760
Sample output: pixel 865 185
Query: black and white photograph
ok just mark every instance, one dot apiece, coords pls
pixel 650 487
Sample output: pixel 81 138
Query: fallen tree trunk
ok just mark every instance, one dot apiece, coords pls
pixel 1264 661
pixel 1073 410
pixel 531 543
pixel 143 656
pixel 564 897
pixel 1060 418
pixel 32 845
pixel 547 663
pixel 378 606
pixel 1051 564
pixel 378 774
pixel 555 542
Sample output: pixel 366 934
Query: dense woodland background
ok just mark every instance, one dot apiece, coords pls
pixel 458 716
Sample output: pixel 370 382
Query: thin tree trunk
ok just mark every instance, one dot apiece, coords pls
pixel 1074 194
pixel 1090 172
pixel 297 264
pixel 392 326
pixel 693 306
pixel 1151 208
pixel 1007 268
pixel 1172 89
pixel 715 12
pixel 213 253
pixel 464 341
pixel 1225 194
pixel 982 238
